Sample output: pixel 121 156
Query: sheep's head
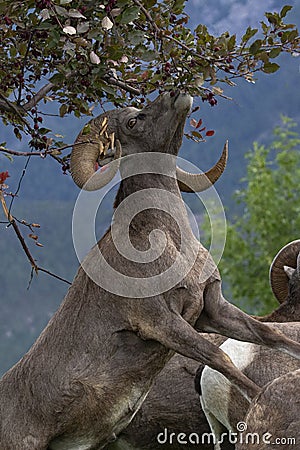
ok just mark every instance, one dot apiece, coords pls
pixel 285 272
pixel 158 127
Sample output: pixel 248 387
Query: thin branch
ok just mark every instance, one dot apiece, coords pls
pixel 16 153
pixel 38 96
pixel 8 106
pixel 122 85
pixel 51 151
pixel 54 275
pixel 148 16
pixel 23 66
pixel 12 221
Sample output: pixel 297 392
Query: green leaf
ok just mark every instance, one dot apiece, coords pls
pixel 275 52
pixel 178 6
pixel 264 27
pixel 231 42
pixel 108 89
pixel 17 134
pixel 255 47
pixel 58 78
pixel 44 130
pixel 293 35
pixel 130 14
pixel 273 18
pixel 285 10
pixel 270 67
pixel 250 32
pixel 86 129
pixel 13 52
pixel 63 110
pixel 11 159
pixel 61 11
pixel 196 134
pixel 136 37
pixel 148 55
pixel 149 3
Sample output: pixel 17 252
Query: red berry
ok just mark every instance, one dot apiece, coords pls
pixel 7 20
pixel 36 126
pixel 40 119
pixel 167 67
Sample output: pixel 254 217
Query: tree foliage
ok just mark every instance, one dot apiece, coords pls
pixel 78 53
pixel 64 57
pixel 270 219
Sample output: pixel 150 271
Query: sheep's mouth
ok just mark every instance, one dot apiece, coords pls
pixel 106 158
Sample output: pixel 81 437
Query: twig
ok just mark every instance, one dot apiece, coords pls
pixel 122 85
pixel 38 96
pixel 148 16
pixel 16 153
pixel 53 275
pixel 12 221
pixel 23 66
pixel 44 153
pixel 9 107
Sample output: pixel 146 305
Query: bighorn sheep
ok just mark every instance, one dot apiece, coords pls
pixel 273 420
pixel 174 406
pixel 170 414
pixel 90 370
pixel 223 405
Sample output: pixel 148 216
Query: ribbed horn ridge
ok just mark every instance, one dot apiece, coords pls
pixel 191 182
pixel 86 151
pixel 287 256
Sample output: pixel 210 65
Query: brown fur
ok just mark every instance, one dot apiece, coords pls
pixel 88 373
pixel 276 411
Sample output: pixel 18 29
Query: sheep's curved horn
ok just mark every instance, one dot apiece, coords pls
pixel 287 256
pixel 85 153
pixel 191 182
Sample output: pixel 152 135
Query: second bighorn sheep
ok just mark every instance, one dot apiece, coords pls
pixel 91 368
pixel 223 405
pixel 273 417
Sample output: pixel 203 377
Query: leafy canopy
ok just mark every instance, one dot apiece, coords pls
pixel 79 53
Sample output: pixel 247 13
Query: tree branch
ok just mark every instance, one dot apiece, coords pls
pixel 38 96
pixel 148 16
pixel 8 106
pixel 12 221
pixel 122 85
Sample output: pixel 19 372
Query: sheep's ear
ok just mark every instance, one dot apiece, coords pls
pixel 289 271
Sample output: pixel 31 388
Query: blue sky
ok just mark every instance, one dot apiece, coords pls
pixel 234 15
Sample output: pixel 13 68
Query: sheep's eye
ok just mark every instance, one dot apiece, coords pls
pixel 131 122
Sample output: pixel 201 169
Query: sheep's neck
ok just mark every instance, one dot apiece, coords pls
pixel 146 181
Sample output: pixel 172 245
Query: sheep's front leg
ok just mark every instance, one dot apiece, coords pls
pixel 220 316
pixel 172 331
